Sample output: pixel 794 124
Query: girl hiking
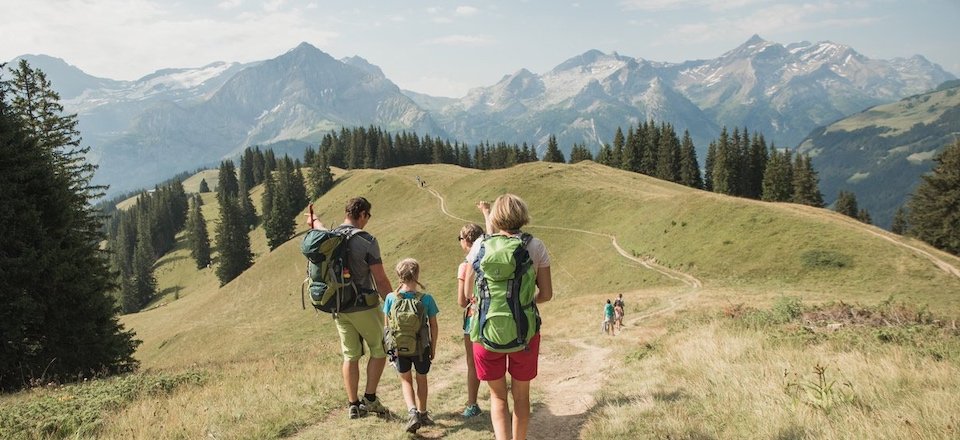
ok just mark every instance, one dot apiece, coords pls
pixel 411 321
pixel 507 215
pixel 608 318
pixel 468 234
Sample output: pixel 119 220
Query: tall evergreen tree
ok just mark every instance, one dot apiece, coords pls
pixel 900 224
pixel 144 282
pixel 777 177
pixel 197 235
pixel 56 317
pixel 204 187
pixel 553 153
pixel 689 167
pixel 935 205
pixel 864 216
pixel 605 155
pixel 227 184
pixel 618 149
pixel 321 178
pixel 668 155
pixel 709 163
pixel 232 241
pixel 846 204
pixel 580 153
pixel 805 183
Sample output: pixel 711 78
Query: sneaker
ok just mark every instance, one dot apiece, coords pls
pixel 356 411
pixel 413 421
pixel 374 407
pixel 472 411
pixel 425 419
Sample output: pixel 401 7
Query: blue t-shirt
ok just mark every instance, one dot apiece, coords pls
pixel 608 310
pixel 430 306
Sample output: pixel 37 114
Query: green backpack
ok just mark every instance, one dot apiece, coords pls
pixel 506 288
pixel 328 277
pixel 407 332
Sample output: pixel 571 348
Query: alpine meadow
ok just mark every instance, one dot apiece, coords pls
pixel 760 244
pixel 743 319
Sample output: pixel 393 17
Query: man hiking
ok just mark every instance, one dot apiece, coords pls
pixel 364 324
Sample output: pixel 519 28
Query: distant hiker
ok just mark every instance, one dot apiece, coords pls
pixel 410 317
pixel 618 310
pixel 465 298
pixel 419 182
pixel 506 336
pixel 608 318
pixel 362 324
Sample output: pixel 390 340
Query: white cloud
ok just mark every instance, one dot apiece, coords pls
pixel 459 40
pixel 229 4
pixel 126 39
pixel 664 5
pixel 272 5
pixel 466 11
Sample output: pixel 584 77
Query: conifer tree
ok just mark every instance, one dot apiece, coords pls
pixel 805 183
pixel 232 241
pixel 756 168
pixel 934 213
pixel 144 282
pixel 247 211
pixel 580 153
pixel 900 224
pixel 204 187
pixel 321 178
pixel 553 153
pixel 725 166
pixel 651 143
pixel 846 204
pixel 227 185
pixel 689 167
pixel 605 155
pixel 864 216
pixel 778 177
pixel 668 158
pixel 618 151
pixel 708 166
pixel 55 278
pixel 197 235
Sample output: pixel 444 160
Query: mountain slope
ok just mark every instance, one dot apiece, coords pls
pixel 880 153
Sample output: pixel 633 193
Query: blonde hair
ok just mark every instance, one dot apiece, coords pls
pixel 471 232
pixel 408 270
pixel 509 213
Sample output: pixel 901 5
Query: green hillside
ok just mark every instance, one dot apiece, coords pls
pixel 702 270
pixel 880 153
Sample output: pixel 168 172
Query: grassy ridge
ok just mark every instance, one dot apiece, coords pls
pixel 273 369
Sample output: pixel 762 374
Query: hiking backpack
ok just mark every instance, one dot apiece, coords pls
pixel 328 276
pixel 506 289
pixel 407 332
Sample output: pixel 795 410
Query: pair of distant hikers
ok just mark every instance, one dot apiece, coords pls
pixel 485 323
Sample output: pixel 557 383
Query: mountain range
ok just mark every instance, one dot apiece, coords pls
pixel 179 119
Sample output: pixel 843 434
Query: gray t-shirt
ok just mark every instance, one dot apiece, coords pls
pixel 536 248
pixel 364 251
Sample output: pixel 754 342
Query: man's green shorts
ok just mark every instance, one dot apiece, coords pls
pixel 355 328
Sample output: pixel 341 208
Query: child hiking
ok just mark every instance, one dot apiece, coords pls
pixel 618 310
pixel 506 332
pixel 410 318
pixel 608 318
pixel 468 235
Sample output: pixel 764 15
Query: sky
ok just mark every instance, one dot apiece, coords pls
pixel 445 48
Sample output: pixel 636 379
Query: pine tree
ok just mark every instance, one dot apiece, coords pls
pixel 864 216
pixel 204 187
pixel 227 185
pixel 708 166
pixel 777 177
pixel 846 204
pixel 725 166
pixel 321 178
pixel 553 153
pixel 605 155
pixel 55 278
pixel 900 224
pixel 580 153
pixel 618 151
pixel 805 183
pixel 197 235
pixel 689 167
pixel 144 256
pixel 232 241
pixel 935 205
pixel 668 158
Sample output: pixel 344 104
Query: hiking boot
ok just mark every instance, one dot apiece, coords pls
pixel 374 407
pixel 472 411
pixel 413 421
pixel 425 419
pixel 356 411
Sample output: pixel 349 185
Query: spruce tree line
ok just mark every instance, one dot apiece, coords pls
pixel 58 321
pixel 139 236
pixel 654 150
pixel 933 213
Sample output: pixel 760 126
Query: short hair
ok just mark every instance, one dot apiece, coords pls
pixel 471 232
pixel 357 206
pixel 509 213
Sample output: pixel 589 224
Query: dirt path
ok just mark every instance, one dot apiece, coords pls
pixel 570 382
